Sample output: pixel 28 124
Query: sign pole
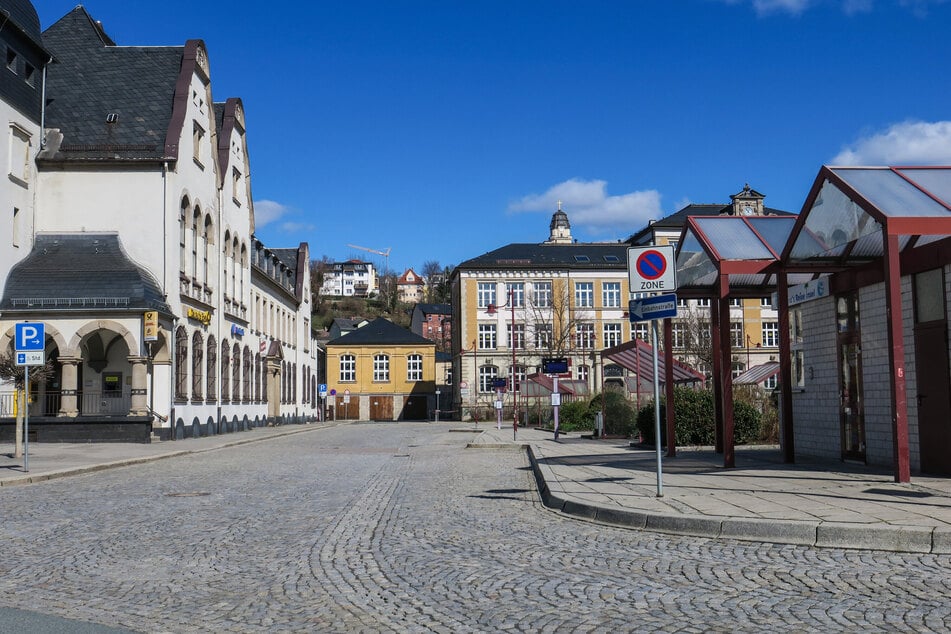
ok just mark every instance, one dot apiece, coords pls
pixel 26 418
pixel 660 476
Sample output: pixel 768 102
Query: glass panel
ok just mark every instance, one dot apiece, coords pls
pixel 732 239
pixel 693 264
pixel 929 296
pixel 935 181
pixel 890 193
pixel 774 230
pixel 832 222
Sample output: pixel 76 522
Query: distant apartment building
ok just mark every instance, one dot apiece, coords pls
pixel 410 287
pixel 433 321
pixel 353 278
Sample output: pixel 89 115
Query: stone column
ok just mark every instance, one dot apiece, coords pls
pixel 140 388
pixel 68 405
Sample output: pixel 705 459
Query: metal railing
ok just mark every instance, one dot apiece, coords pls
pixel 89 403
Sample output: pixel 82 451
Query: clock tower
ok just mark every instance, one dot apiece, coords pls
pixel 748 202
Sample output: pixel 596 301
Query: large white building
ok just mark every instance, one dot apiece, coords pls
pixel 143 209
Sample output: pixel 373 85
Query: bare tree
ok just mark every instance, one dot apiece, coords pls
pixel 431 272
pixel 553 322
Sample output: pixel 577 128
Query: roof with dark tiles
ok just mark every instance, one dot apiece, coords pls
pixel 380 331
pixel 578 255
pixel 92 78
pixel 23 15
pixel 80 271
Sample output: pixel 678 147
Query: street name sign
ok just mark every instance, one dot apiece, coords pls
pixel 655 307
pixel 652 269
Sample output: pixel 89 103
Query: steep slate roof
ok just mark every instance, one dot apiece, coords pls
pixel 93 78
pixel 22 14
pixel 78 272
pixel 579 256
pixel 381 332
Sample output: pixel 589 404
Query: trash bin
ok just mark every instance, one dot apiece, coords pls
pixel 598 425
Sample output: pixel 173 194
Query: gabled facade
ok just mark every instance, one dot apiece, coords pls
pixel 141 165
pixel 410 287
pixel 382 372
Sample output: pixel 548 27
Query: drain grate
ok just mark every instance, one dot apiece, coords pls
pixel 188 494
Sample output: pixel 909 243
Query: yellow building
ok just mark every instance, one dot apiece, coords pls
pixel 381 371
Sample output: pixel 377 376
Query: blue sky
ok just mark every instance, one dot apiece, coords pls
pixel 444 129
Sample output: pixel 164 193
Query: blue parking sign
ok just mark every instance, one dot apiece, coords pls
pixel 30 336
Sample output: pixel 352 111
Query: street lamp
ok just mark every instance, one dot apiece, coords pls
pixel 492 309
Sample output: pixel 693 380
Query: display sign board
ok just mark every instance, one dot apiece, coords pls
pixel 150 325
pixel 554 365
pixel 652 269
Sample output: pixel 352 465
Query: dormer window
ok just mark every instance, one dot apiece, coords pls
pixel 11 60
pixel 198 134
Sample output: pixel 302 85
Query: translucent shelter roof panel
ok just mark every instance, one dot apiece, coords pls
pixel 774 229
pixel 890 193
pixel 833 221
pixel 733 239
pixel 694 266
pixel 934 180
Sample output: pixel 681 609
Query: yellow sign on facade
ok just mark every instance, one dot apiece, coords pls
pixel 203 316
pixel 151 325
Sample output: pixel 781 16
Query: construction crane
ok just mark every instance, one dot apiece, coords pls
pixel 385 254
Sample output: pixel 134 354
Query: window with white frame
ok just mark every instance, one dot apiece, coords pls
pixel 516 335
pixel 766 302
pixel 519 377
pixel 639 330
pixel 703 302
pixel 736 334
pixel 381 368
pixel 19 154
pixel 612 335
pixel 736 301
pixel 541 294
pixel 611 294
pixel 582 372
pixel 737 369
pixel 584 294
pixel 486 294
pixel 348 368
pixel 515 292
pixel 771 382
pixel 487 337
pixel 679 335
pixel 414 367
pixel 487 376
pixel 197 135
pixel 584 336
pixel 770 334
pixel 542 336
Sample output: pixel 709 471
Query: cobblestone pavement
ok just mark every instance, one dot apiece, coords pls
pixel 397 527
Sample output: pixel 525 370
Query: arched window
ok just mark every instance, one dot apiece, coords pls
pixel 225 371
pixel 182 233
pixel 234 270
pixel 196 237
pixel 487 376
pixel 244 265
pixel 257 378
pixel 246 375
pixel 381 368
pixel 198 357
pixel 236 374
pixel 294 385
pixel 225 252
pixel 262 377
pixel 181 364
pixel 206 251
pixel 212 365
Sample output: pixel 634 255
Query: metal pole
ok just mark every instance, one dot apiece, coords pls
pixel 26 418
pixel 660 477
pixel 554 387
pixel 514 374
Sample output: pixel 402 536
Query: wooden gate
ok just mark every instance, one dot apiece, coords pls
pixel 381 407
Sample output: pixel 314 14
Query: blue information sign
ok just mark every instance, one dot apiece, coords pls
pixel 656 307
pixel 30 336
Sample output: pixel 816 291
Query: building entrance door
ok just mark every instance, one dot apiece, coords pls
pixel 381 407
pixel 932 373
pixel 851 396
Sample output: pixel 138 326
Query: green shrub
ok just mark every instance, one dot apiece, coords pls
pixel 574 416
pixel 695 418
pixel 619 418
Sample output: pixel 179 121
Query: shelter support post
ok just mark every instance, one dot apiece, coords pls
pixel 787 437
pixel 717 374
pixel 896 357
pixel 723 301
pixel 669 386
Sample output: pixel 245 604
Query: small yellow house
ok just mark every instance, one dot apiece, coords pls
pixel 381 371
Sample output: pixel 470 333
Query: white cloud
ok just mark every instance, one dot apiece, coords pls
pixel 795 7
pixel 297 227
pixel 588 204
pixel 267 211
pixel 907 143
pixel 919 8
